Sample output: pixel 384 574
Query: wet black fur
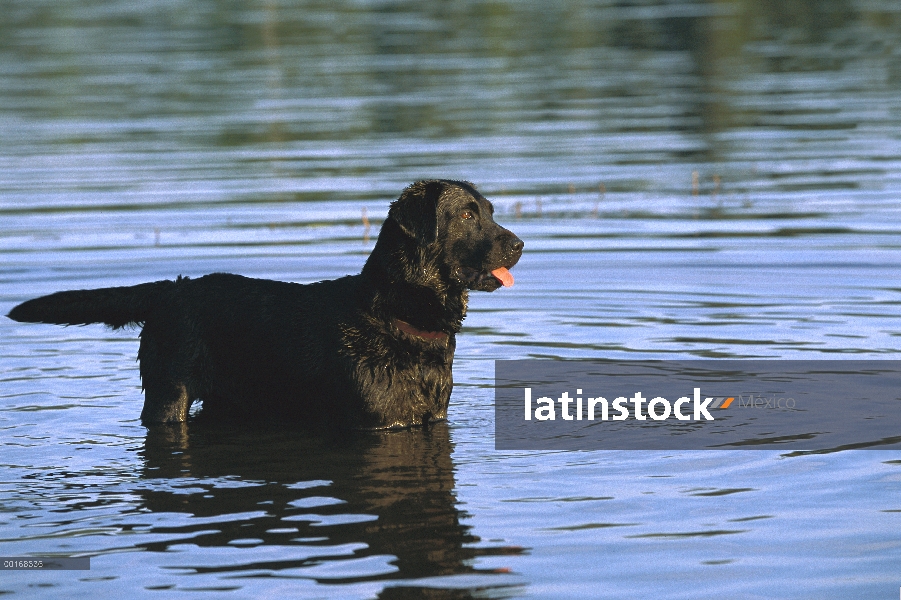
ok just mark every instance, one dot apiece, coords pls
pixel 326 352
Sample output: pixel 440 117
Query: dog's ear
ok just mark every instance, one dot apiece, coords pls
pixel 416 211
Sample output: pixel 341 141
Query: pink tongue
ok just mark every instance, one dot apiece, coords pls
pixel 504 276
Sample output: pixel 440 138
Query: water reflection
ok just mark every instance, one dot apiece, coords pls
pixel 386 496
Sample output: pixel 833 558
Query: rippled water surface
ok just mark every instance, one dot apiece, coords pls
pixel 692 180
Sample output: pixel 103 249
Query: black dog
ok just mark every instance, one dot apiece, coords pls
pixel 368 350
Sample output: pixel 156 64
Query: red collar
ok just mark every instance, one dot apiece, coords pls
pixel 426 335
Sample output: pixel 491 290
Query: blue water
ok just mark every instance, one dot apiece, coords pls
pixel 691 180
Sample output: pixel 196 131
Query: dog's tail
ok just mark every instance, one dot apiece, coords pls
pixel 115 306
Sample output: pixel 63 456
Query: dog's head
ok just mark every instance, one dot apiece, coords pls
pixel 453 225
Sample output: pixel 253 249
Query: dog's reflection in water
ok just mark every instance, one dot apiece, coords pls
pixel 392 491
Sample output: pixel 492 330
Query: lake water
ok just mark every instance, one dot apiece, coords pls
pixel 691 180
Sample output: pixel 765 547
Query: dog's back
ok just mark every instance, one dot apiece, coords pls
pixel 256 340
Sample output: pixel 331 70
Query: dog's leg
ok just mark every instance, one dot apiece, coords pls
pixel 165 403
pixel 168 392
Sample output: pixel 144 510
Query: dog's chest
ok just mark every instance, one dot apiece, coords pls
pixel 402 383
pixel 409 396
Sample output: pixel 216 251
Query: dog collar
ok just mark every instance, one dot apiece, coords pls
pixel 427 335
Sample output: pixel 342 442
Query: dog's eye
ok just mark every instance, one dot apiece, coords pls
pixel 466 214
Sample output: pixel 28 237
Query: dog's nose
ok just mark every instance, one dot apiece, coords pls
pixel 516 244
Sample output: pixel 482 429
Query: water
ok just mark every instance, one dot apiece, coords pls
pixel 706 180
